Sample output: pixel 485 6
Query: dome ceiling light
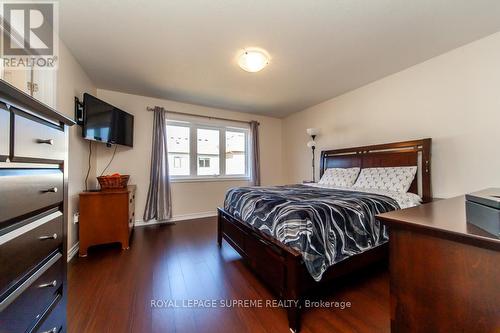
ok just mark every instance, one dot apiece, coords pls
pixel 253 60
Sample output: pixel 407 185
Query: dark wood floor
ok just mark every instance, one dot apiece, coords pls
pixel 111 290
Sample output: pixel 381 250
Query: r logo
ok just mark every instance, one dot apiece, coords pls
pixel 28 29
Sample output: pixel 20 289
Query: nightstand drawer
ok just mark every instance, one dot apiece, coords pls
pixel 37 140
pixel 27 190
pixel 27 304
pixel 23 248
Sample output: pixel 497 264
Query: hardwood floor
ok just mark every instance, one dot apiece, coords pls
pixel 111 290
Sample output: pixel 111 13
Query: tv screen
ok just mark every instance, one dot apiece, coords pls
pixel 105 123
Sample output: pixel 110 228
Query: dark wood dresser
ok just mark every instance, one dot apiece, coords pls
pixel 33 214
pixel 444 272
pixel 106 217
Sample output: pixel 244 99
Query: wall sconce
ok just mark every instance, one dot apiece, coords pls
pixel 312 132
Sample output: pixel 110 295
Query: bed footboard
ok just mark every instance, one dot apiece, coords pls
pixel 277 265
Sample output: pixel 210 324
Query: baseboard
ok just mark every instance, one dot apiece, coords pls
pixel 177 218
pixel 73 251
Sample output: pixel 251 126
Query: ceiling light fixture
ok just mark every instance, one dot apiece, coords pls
pixel 253 60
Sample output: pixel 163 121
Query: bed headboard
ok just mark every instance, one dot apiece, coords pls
pixel 407 153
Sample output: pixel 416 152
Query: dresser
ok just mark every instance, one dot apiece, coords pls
pixel 444 272
pixel 33 214
pixel 106 217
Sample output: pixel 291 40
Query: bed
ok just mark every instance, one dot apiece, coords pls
pixel 271 227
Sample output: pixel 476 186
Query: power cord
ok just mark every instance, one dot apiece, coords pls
pixel 111 160
pixel 88 170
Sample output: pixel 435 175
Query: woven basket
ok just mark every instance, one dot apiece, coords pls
pixel 113 182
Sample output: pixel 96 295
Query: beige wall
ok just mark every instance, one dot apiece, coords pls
pixel 188 198
pixel 72 81
pixel 453 98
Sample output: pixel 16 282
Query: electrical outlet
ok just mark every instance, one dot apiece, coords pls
pixel 76 217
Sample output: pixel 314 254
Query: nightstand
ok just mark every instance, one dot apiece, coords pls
pixel 106 217
pixel 444 272
pixel 308 182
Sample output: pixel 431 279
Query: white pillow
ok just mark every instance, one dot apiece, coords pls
pixel 341 177
pixel 396 179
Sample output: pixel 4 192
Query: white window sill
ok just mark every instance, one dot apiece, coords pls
pixel 209 179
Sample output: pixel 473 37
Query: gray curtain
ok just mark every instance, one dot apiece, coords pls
pixel 254 132
pixel 159 200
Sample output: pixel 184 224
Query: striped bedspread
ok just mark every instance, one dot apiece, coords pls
pixel 325 225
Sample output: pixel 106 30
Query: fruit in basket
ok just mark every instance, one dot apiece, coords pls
pixel 115 175
pixel 114 181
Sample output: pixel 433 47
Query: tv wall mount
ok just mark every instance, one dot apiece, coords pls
pixel 79 112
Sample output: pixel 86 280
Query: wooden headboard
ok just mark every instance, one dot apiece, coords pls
pixel 407 153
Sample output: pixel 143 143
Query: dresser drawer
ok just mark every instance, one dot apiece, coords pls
pixel 37 140
pixel 26 190
pixel 55 320
pixel 4 132
pixel 26 305
pixel 23 248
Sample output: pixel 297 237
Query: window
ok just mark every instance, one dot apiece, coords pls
pixel 208 151
pixel 202 152
pixel 203 162
pixel 235 153
pixel 178 150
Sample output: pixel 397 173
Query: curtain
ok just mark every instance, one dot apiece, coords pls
pixel 159 200
pixel 254 132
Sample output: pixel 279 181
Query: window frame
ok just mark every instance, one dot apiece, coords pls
pixel 193 152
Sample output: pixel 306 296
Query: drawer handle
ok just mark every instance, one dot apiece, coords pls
pixel 54 236
pixel 47 141
pixel 48 285
pixel 51 190
pixel 53 330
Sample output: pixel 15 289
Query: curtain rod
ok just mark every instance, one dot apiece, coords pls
pixel 202 116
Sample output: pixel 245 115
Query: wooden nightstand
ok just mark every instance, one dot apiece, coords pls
pixel 106 217
pixel 444 272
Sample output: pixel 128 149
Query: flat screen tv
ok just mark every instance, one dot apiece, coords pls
pixel 105 123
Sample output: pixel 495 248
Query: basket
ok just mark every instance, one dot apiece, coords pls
pixel 113 182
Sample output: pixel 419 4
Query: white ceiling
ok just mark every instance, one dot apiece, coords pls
pixel 185 50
